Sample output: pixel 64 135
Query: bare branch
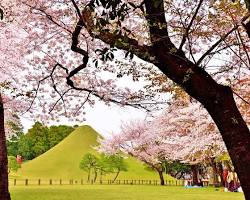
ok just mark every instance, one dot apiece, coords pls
pixel 77 9
pixel 43 79
pixel 241 97
pixel 61 98
pixel 244 47
pixel 33 100
pixel 236 54
pixel 215 45
pixel 189 26
pixel 246 20
pixel 83 103
pixel 117 40
pixel 49 17
pixel 190 49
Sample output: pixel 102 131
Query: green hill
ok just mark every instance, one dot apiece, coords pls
pixel 62 161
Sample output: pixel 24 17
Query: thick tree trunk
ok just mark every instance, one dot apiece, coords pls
pixel 216 98
pixel 220 104
pixel 4 185
pixel 160 172
pixel 195 174
pixel 235 134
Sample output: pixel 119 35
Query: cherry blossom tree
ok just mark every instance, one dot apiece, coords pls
pixel 136 141
pixel 191 126
pixel 197 44
pixel 11 49
pixel 195 123
pixel 184 133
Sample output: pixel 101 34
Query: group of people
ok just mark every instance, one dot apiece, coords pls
pixel 201 182
pixel 231 180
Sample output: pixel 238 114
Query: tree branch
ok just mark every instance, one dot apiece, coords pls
pixel 189 26
pixel 215 45
pixel 1 14
pixel 155 16
pixel 77 9
pixel 241 97
pixel 49 17
pixel 74 47
pixel 244 47
pixel 43 79
pixel 115 40
pixel 61 98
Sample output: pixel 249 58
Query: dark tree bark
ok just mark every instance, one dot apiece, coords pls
pixel 195 174
pixel 246 19
pixel 219 102
pixel 216 98
pixel 247 27
pixel 160 172
pixel 4 182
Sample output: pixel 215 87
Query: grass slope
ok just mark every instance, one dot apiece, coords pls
pixel 62 161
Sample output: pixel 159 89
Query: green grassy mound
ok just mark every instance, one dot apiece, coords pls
pixel 62 161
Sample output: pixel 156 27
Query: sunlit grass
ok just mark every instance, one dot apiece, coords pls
pixel 119 192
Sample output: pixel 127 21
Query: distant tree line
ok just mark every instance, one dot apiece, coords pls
pixel 37 140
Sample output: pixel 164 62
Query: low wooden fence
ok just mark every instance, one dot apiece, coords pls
pixel 23 182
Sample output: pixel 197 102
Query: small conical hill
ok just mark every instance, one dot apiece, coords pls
pixel 62 161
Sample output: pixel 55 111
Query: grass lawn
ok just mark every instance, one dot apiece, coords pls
pixel 118 192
